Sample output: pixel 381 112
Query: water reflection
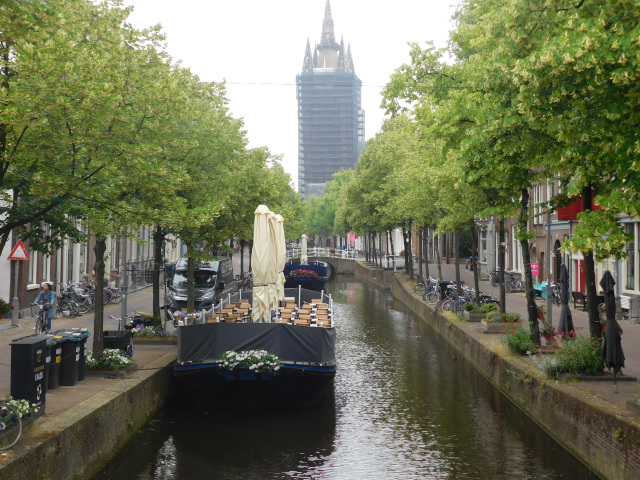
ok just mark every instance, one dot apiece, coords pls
pixel 403 406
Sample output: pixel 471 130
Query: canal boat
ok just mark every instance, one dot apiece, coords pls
pixel 311 276
pixel 301 334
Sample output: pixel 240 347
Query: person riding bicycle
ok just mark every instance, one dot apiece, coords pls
pixel 47 298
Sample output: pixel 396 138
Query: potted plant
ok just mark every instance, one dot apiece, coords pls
pixel 249 365
pixel 4 307
pixel 473 312
pixel 153 335
pixel 502 323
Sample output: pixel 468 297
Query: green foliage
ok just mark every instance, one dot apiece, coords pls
pixel 581 355
pixel 111 358
pixel 510 317
pixel 488 308
pixel 548 364
pixel 258 361
pixel 520 341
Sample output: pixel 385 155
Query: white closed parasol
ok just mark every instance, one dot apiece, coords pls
pixel 304 260
pixel 281 257
pixel 262 265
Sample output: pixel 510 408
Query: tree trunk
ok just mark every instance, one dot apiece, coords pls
pixel 420 237
pixel 456 257
pixel 393 250
pixel 437 244
pixel 158 246
pixel 241 259
pixel 474 261
pixel 406 248
pixel 425 236
pixel 532 308
pixel 595 327
pixel 501 265
pixel 99 249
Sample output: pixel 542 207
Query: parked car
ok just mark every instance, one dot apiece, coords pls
pixel 212 280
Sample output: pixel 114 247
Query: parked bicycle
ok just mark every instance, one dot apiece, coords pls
pixel 513 282
pixel 425 289
pixel 10 426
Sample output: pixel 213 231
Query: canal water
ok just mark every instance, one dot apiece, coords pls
pixel 403 406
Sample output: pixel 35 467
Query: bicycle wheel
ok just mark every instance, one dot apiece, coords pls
pixel 107 297
pixel 432 298
pixel 10 426
pixel 447 305
pixel 40 323
pixel 116 296
pixel 418 288
pixel 459 307
pixel 84 305
pixel 73 308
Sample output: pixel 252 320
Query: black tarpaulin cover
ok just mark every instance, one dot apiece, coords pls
pixel 207 342
pixel 565 322
pixel 612 348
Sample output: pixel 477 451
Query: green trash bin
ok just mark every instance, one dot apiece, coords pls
pixel 28 364
pixel 70 361
pixel 85 334
pixel 55 344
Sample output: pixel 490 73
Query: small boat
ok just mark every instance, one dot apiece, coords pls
pixel 311 275
pixel 218 358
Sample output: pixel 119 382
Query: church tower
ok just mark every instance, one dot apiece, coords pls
pixel 330 117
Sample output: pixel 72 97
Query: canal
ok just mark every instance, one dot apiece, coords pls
pixel 403 406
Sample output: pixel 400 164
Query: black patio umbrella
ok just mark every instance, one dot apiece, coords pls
pixel 612 350
pixel 565 322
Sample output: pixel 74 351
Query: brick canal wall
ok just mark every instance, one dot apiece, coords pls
pixel 601 436
pixel 77 442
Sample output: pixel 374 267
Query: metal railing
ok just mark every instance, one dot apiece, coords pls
pixel 323 252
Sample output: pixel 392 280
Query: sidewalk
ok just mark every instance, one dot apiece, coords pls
pixel 63 398
pixel 516 302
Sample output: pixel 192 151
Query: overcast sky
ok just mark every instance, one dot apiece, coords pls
pixel 258 46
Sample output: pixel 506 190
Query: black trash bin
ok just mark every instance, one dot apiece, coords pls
pixel 70 357
pixel 28 364
pixel 82 363
pixel 444 287
pixel 55 345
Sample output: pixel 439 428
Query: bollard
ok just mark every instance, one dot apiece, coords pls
pixel 15 303
pixel 634 314
pixel 618 308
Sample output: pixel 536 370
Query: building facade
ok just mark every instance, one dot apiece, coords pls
pixel 74 261
pixel 330 117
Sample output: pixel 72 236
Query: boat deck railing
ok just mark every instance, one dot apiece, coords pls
pixel 323 252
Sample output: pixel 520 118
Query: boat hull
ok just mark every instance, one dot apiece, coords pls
pixel 209 384
pixel 310 283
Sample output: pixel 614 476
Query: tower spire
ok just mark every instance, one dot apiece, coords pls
pixel 307 64
pixel 328 36
pixel 342 64
pixel 349 60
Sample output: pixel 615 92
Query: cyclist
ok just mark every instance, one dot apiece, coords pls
pixel 47 298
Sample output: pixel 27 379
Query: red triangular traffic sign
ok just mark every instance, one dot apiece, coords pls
pixel 19 252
